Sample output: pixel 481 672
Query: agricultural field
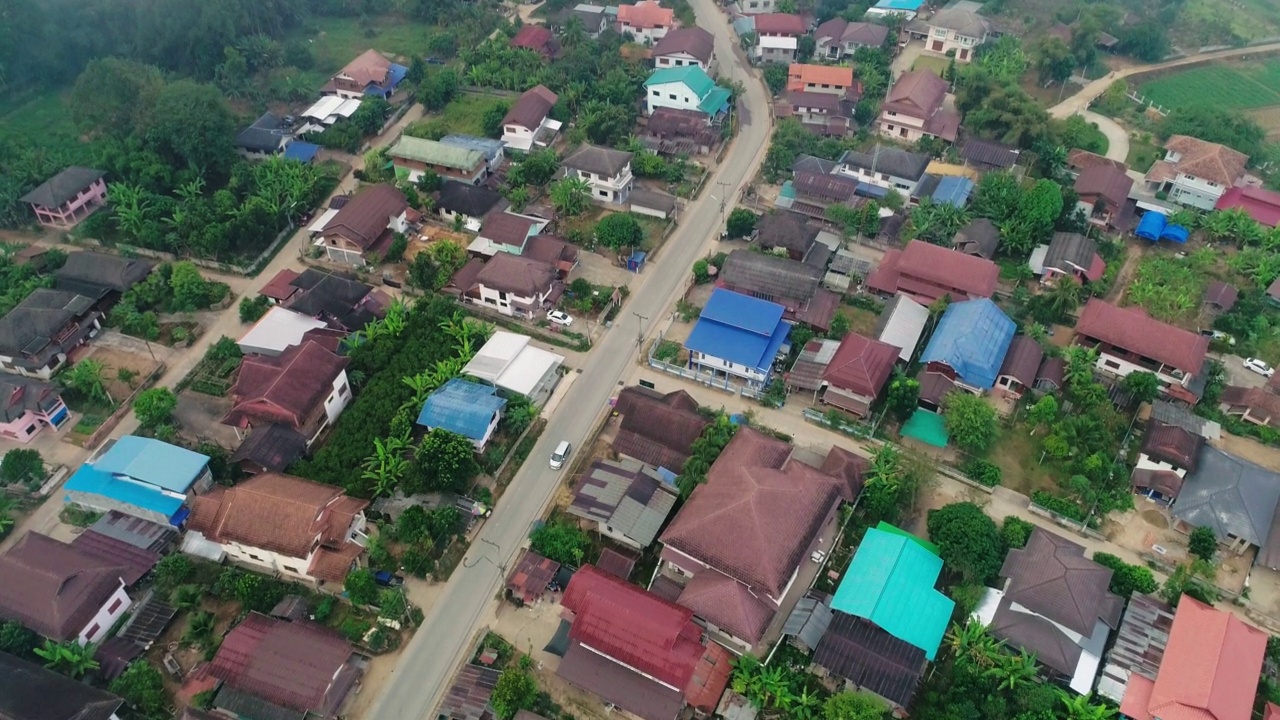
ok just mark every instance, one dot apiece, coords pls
pixel 1230 86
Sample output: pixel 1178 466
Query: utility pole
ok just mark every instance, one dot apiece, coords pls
pixel 640 321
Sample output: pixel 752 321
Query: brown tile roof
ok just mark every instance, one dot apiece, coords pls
pixel 785 229
pixel 980 237
pixel 918 94
pixel 297 665
pixel 659 431
pixel 281 513
pixel 281 286
pixel 531 108
pixel 287 388
pixel 533 572
pixel 618 685
pixel 536 38
pixel 1022 360
pixel 925 270
pixel 1038 636
pixel 1137 332
pixel 756 515
pixel 1207 160
pixel 1167 482
pixel 861 365
pixel 1171 444
pixel 507 228
pixel 1221 295
pixel 1052 577
pixel 1262 405
pixel 516 275
pixel 934 386
pixel 1105 181
pixel 779 24
pixel 369 67
pixel 693 41
pixel 1079 160
pixel 55 588
pixel 848 468
pixel 366 216
pixel 728 604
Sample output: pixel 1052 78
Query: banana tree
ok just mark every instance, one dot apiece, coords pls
pixel 1082 707
pixel 69 658
pixel 1013 671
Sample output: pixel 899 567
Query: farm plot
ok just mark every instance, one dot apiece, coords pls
pixel 1236 86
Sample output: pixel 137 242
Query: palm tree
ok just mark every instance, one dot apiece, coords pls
pixel 571 196
pixel 1081 707
pixel 69 658
pixel 1219 224
pixel 1065 297
pixel 85 377
pixel 199 629
pixel 574 32
pixel 805 705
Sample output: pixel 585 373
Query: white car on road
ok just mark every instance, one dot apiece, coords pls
pixel 1259 367
pixel 560 317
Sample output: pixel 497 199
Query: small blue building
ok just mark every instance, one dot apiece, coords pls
pixel 468 409
pixel 738 336
pixel 142 477
pixel 969 344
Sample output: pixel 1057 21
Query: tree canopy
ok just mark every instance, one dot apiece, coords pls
pixel 971 420
pixel 967 540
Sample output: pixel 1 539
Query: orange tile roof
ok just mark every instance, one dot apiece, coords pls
pixel 646 14
pixel 1207 160
pixel 799 75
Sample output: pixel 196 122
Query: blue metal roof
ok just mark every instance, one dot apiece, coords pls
pixel 462 407
pixel 740 329
pixel 301 151
pixel 900 4
pixel 872 191
pixel 953 189
pixel 92 481
pixel 151 461
pixel 972 338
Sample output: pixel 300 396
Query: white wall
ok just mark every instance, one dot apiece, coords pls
pixel 1119 367
pixel 682 60
pixel 517 137
pixel 1196 192
pixel 338 399
pixel 670 95
pixel 503 301
pixel 468 222
pixel 1145 462
pixel 741 371
pixel 105 618
pixel 903 185
pixel 647 36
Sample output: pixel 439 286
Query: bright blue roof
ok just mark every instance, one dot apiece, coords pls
pixel 1151 225
pixel 461 407
pixel 972 338
pixel 900 4
pixel 92 481
pixel 154 462
pixel 953 189
pixel 740 329
pixel 302 151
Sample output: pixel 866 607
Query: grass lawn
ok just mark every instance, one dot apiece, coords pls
pixel 1018 455
pixel 340 40
pixel 464 115
pixel 861 321
pixel 1142 154
pixel 1234 86
pixel 44 121
pixel 931 62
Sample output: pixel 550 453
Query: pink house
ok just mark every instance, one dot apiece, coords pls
pixel 27 406
pixel 68 197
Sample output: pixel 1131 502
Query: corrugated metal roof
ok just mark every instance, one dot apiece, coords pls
pixel 971 338
pixel 91 481
pixel 462 407
pixel 152 461
pixel 808 622
pixel 740 329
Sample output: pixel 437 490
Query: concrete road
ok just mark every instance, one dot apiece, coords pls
pixel 436 650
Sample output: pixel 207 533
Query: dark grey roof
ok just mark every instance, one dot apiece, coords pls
pixel 890 160
pixel 266 134
pixel 1037 635
pixel 617 684
pixel 1067 249
pixel 809 163
pixel 980 237
pixel 1231 495
pixel 809 621
pixel 989 154
pixel 135 531
pixel 1052 577
pixel 770 276
pixel 785 229
pixel 63 186
pixel 28 330
pixel 602 161
pixel 30 692
pixel 653 199
pixel 856 649
pixel 34 395
pixel 248 705
pixel 1167 412
pixel 633 502
pixel 94 274
pixel 468 199
pixel 928 183
pixel 334 296
pixel 272 448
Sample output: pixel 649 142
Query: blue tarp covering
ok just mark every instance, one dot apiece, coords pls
pixel 972 338
pixel 1174 233
pixel 92 481
pixel 462 407
pixel 953 189
pixel 301 151
pixel 154 462
pixel 1151 225
pixel 740 329
pixel 180 516
pixel 871 191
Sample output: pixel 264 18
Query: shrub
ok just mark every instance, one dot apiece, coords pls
pixel 1015 532
pixel 21 466
pixel 1126 579
pixel 1203 543
pixel 253 308
pixel 361 587
pixel 354 629
pixel 561 541
pixel 981 472
pixel 154 407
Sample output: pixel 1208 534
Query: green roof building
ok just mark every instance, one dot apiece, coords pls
pixel 685 88
pixel 411 156
pixel 891 584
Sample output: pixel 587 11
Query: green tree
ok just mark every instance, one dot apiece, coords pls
pixel 515 690
pixel 1203 543
pixel 561 541
pixel 854 706
pixel 492 119
pixel 967 541
pixel 1147 41
pixel 1127 579
pixel 193 127
pixel 619 230
pixel 85 379
pixel 154 407
pixel 1054 61
pixel 445 461
pixel 971 421
pixel 840 325
pixel 438 88
pixel 253 308
pixel 1215 124
pixel 17 639
pixel 142 688
pixel 1015 532
pixel 173 570
pixel 115 96
pixel 1195 580
pixel 741 223
pixel 1143 386
pixel 997 196
pixel 902 396
pixel 69 658
pixel 360 586
pixel 571 196
pixel 190 290
pixel 21 466
pixel 1082 707
pixel 1033 220
pixel 1043 413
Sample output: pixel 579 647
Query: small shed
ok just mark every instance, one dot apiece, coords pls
pixel 533 573
pixel 1220 296
pixel 652 203
pixel 636 262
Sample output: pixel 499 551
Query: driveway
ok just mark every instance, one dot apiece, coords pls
pixel 1238 375
pixel 906 58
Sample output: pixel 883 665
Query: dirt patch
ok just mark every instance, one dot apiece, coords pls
pixel 1018 455
pixel 1251 450
pixel 116 360
pixel 1269 119
pixel 1155 518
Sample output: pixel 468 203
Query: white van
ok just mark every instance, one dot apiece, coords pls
pixel 560 454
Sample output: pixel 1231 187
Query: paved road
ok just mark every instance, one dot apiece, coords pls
pixel 431 657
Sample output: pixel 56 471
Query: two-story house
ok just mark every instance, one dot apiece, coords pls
pixel 281 524
pixel 606 170
pixel 369 75
pixel 1167 454
pixel 916 107
pixel 857 373
pixel 366 223
pixel 1128 340
pixel 528 123
pixel 822 79
pixel 646 21
pixel 141 477
pixel 927 272
pixel 685 88
pixel 412 156
pixel 777 37
pixel 737 338
pixel 506 232
pixel 1103 192
pixel 686 46
pixel 304 388
pixel 886 167
pixel 1195 172
pixel 37 336
pixel 958 31
pixel 68 197
pixel 838 38
pixel 28 406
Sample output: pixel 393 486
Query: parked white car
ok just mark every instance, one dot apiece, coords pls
pixel 560 317
pixel 1259 367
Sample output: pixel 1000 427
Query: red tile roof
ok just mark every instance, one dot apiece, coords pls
pixel 779 24
pixel 291 664
pixel 646 14
pixel 1079 159
pixel 280 287
pixel 287 388
pixel 1207 160
pixel 536 38
pixel 369 67
pixel 861 365
pixel 632 626
pixel 728 603
pixel 1104 181
pixel 1209 671
pixel 1261 204
pixel 757 513
pixel 1133 330
pixel 930 271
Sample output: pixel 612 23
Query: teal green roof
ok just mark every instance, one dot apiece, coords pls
pixel 715 101
pixel 891 583
pixel 695 77
pixel 886 527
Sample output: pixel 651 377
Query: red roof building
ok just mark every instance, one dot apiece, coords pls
pixel 1261 204
pixel 305 387
pixel 1209 670
pixel 857 373
pixel 538 39
pixel 781 24
pixel 637 651
pixel 926 272
pixel 1129 340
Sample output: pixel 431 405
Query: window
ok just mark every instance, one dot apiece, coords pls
pixel 1111 364
pixel 657 94
pixel 940 32
pixel 502 296
pixel 254 557
pixel 115 605
pixel 672 96
pixel 293 570
pixel 92 632
pixel 31 428
pixel 344 389
pixel 603 193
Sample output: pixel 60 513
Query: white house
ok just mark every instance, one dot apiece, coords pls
pixel 646 21
pixel 606 170
pixel 958 31
pixel 886 167
pixel 685 88
pixel 528 123
pixel 1195 172
pixel 514 285
pixel 686 46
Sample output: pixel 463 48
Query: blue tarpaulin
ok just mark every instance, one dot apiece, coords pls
pixel 1174 233
pixel 301 151
pixel 1155 227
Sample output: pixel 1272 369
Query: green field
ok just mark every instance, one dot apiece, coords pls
pixel 339 40
pixel 464 115
pixel 1235 86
